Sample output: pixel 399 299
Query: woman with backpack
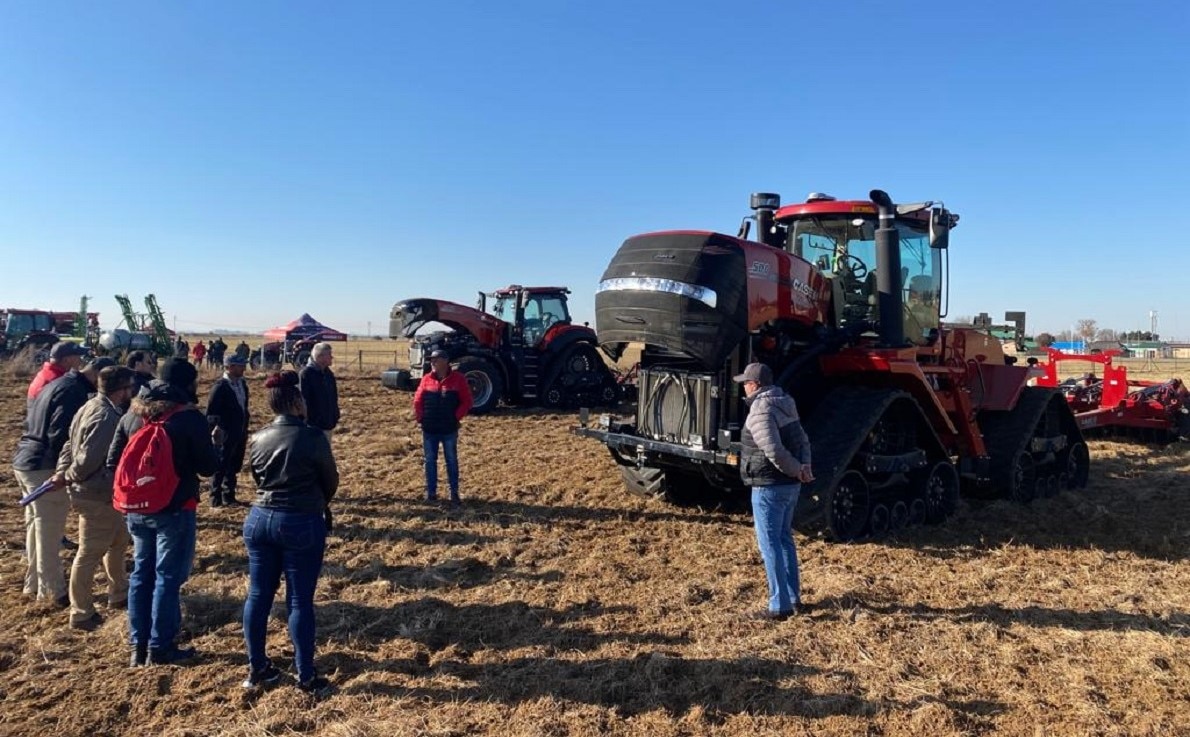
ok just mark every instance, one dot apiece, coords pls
pixel 162 446
pixel 285 532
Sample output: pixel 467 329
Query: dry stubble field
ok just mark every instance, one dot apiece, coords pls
pixel 555 604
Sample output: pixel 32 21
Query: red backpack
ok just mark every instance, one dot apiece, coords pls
pixel 145 476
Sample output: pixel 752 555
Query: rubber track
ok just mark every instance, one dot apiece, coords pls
pixel 1008 433
pixel 837 430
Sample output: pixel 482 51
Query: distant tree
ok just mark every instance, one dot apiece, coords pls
pixel 1086 329
pixel 1107 334
pixel 1045 340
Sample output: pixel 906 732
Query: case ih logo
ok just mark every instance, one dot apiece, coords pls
pixel 760 268
pixel 803 288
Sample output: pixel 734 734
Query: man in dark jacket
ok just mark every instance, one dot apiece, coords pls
pixel 774 461
pixel 319 390
pixel 164 542
pixel 227 407
pixel 441 401
pixel 47 427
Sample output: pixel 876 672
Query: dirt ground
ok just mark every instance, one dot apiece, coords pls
pixel 555 604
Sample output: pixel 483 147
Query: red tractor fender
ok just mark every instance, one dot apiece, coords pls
pixel 562 335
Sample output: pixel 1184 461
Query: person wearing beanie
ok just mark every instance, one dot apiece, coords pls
pixel 285 531
pixel 163 543
pixel 775 462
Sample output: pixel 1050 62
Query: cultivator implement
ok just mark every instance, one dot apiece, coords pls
pixel 1114 404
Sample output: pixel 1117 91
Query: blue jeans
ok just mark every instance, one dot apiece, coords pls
pixel 772 514
pixel 162 556
pixel 450 448
pixel 291 543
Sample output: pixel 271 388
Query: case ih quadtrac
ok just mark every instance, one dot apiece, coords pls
pixel 843 300
pixel 523 349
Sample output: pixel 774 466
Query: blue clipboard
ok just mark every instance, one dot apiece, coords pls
pixel 36 493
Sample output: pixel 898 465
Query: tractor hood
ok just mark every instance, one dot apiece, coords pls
pixel 410 315
pixel 683 291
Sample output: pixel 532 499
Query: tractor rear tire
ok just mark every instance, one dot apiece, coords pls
pixel 485 382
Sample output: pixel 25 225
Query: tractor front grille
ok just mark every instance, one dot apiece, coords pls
pixel 677 406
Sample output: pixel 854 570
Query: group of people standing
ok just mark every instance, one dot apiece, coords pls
pixel 84 413
pixel 82 417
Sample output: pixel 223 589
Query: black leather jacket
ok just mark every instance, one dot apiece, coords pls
pixel 293 466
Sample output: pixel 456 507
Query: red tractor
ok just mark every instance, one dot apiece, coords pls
pixel 516 345
pixel 843 300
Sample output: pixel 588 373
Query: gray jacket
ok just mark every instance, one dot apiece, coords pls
pixel 83 459
pixel 774 445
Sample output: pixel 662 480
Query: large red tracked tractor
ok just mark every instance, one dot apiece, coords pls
pixel 843 300
pixel 517 345
pixel 1113 403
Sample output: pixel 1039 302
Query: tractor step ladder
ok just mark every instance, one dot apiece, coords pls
pixel 530 373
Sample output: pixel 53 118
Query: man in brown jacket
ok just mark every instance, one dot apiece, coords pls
pixel 82 466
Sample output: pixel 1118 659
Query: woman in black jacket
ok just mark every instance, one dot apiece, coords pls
pixel 285 532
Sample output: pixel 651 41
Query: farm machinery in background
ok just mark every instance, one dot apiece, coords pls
pixel 519 347
pixel 143 332
pixel 40 329
pixel 843 300
pixel 1113 403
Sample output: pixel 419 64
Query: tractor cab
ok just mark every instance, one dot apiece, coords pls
pixel 842 240
pixel 530 311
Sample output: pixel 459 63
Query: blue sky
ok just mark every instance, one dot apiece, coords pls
pixel 247 162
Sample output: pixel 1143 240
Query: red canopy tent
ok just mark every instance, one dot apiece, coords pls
pixel 304 328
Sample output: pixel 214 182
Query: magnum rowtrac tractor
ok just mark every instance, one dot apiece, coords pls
pixel 843 300
pixel 521 348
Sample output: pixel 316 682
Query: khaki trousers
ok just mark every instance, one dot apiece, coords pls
pixel 102 536
pixel 45 523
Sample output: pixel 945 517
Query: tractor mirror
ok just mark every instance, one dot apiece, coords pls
pixel 939 228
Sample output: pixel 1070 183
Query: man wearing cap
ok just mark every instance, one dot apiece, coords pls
pixel 65 356
pixel 47 427
pixel 441 401
pixel 320 391
pixel 774 461
pixel 82 467
pixel 227 407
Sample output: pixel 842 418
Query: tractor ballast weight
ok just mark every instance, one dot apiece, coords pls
pixel 843 300
pixel 523 351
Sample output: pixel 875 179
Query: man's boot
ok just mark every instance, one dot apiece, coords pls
pixel 216 495
pixel 229 496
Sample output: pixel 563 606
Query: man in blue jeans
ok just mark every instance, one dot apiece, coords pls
pixel 441 401
pixel 775 462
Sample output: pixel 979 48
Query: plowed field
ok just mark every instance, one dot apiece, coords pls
pixel 555 604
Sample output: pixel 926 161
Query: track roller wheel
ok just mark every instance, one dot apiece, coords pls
pixel 938 489
pixel 848 505
pixel 1077 466
pixel 881 520
pixel 899 516
pixel 1047 487
pixel 1021 483
pixel 917 512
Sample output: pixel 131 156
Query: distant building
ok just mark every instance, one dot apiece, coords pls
pixel 1148 349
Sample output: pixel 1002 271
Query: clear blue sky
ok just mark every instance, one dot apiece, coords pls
pixel 249 161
